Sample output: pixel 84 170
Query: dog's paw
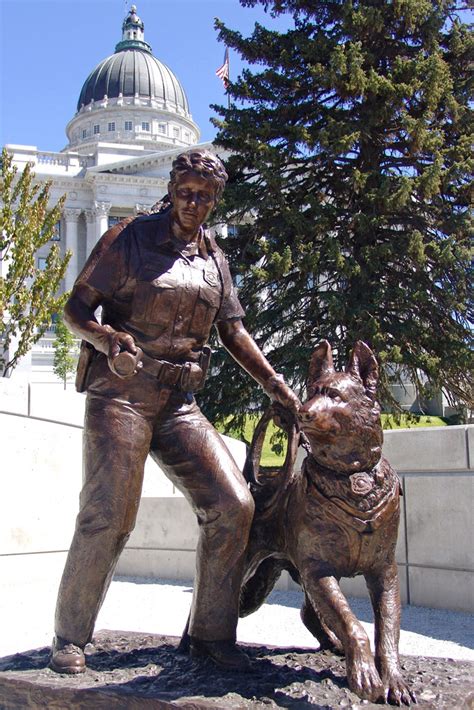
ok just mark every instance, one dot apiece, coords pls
pixel 363 677
pixel 397 691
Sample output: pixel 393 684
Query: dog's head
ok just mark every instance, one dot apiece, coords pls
pixel 341 418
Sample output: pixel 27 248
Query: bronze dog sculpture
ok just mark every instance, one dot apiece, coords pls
pixel 336 518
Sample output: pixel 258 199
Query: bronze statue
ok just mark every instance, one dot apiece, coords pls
pixel 162 282
pixel 336 518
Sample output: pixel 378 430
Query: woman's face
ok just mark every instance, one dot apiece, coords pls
pixel 193 199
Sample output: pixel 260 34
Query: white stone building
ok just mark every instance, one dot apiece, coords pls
pixel 132 119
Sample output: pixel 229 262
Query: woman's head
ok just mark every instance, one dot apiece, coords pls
pixel 202 163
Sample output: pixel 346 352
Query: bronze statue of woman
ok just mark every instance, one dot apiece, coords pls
pixel 162 283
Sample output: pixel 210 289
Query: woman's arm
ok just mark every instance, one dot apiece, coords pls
pixel 243 348
pixel 79 315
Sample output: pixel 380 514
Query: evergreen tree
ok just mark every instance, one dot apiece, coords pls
pixel 28 295
pixel 351 172
pixel 65 352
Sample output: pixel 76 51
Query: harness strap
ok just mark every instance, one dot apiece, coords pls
pixel 354 518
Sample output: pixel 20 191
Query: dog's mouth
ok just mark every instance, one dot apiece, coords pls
pixel 345 461
pixel 322 423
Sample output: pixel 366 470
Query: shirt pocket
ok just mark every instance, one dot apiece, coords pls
pixel 205 310
pixel 155 301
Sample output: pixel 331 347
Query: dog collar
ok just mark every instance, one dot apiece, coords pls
pixel 374 499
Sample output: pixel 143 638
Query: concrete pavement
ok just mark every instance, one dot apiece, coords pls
pixel 161 607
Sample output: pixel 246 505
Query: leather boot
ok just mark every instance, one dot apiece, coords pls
pixel 224 654
pixel 66 657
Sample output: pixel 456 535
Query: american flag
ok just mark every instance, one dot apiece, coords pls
pixel 223 71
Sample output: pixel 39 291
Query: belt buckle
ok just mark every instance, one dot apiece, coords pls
pixel 167 374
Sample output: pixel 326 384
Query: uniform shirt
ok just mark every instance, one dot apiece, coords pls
pixel 165 293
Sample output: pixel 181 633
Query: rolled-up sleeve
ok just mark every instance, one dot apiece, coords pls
pixel 107 267
pixel 231 308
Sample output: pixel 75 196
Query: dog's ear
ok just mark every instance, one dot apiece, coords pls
pixel 321 363
pixel 362 364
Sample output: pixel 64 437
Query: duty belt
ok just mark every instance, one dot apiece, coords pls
pixel 188 377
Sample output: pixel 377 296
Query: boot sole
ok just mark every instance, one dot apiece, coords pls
pixel 71 670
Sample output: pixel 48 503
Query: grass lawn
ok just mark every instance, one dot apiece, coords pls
pixel 270 458
pixel 409 421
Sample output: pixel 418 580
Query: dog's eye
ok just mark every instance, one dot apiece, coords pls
pixel 333 394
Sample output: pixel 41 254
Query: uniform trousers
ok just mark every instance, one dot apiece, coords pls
pixel 125 421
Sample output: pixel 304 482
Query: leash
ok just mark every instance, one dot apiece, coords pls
pixel 287 421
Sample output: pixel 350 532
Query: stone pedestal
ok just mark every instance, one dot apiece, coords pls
pixel 128 671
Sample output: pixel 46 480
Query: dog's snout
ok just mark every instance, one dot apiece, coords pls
pixel 304 416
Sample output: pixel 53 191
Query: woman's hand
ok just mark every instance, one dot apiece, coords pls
pixel 277 389
pixel 123 356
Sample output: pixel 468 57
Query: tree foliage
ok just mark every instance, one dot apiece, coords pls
pixel 351 170
pixel 28 295
pixel 65 352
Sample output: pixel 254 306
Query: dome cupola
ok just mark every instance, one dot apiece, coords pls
pixel 133 33
pixel 132 97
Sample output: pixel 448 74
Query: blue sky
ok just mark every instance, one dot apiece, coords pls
pixel 48 48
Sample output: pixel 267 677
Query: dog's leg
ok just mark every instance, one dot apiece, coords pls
pixel 385 596
pixel 315 625
pixel 258 587
pixel 325 595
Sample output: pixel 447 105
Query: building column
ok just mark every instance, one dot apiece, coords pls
pixel 71 216
pixel 101 211
pixel 91 231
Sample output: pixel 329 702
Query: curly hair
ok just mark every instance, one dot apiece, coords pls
pixel 203 163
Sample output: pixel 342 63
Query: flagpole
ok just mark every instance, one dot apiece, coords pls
pixel 223 73
pixel 228 70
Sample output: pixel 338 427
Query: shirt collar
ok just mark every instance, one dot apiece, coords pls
pixel 205 242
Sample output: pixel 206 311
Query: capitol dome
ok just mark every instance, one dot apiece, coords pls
pixel 132 97
pixel 133 73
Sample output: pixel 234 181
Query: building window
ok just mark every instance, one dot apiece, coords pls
pixel 232 230
pixel 42 263
pixel 187 136
pixel 113 219
pixel 145 126
pixel 112 126
pixel 162 127
pixel 56 237
pixel 84 132
pixel 176 132
pixel 96 129
pixel 128 126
